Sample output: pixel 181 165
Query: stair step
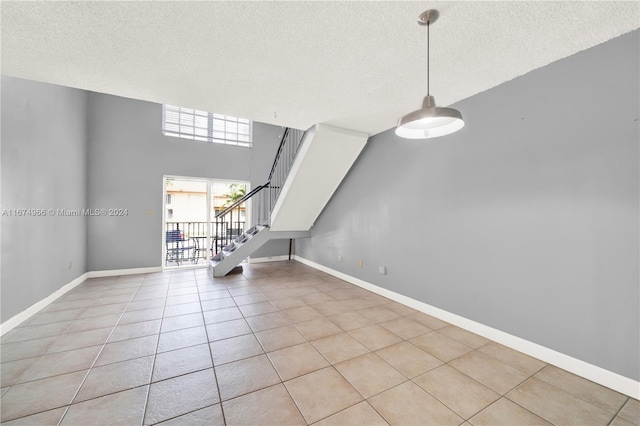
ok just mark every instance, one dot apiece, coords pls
pixel 253 230
pixel 218 256
pixel 230 248
pixel 234 253
pixel 243 239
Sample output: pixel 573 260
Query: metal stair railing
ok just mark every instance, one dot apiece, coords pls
pixel 287 151
pixel 229 226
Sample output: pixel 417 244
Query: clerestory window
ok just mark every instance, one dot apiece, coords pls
pixel 205 126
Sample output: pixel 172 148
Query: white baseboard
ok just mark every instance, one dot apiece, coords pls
pixel 591 372
pixel 269 259
pixel 130 271
pixel 19 318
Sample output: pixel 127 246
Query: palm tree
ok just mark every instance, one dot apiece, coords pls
pixel 236 192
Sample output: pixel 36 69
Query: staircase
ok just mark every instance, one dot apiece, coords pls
pixel 233 254
pixel 307 170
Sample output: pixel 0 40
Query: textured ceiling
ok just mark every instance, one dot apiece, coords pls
pixel 357 65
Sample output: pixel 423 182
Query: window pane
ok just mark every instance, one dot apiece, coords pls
pixel 186 119
pixel 232 127
pixel 203 126
pixel 218 125
pixel 201 122
pixel 171 127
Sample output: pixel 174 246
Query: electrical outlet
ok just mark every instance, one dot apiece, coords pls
pixel 339 259
pixel 382 270
pixel 360 263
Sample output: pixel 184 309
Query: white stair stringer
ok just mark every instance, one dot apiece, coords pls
pixel 324 158
pixel 252 240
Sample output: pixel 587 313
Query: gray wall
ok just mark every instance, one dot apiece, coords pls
pixel 128 155
pixel 65 148
pixel 44 166
pixel 526 220
pixel 273 248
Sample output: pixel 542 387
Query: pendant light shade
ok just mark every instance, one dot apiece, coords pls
pixel 430 121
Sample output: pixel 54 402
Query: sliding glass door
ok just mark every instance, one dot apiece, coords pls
pixel 191 234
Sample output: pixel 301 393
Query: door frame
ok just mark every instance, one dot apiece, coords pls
pixel 209 218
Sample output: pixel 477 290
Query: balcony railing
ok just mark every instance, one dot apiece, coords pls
pixel 194 239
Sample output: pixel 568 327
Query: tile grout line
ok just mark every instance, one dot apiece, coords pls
pixel 366 401
pixel 197 409
pixel 75 395
pixel 446 405
pixel 27 322
pixel 307 341
pixel 618 412
pixel 523 407
pixel 409 379
pixel 282 382
pixel 373 352
pixel 15 382
pixel 502 395
pixel 137 288
pixel 274 288
pixel 513 402
pixel 564 391
pixel 155 353
pixel 213 366
pixel 63 333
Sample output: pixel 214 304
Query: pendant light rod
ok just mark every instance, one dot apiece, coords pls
pixel 426 19
pixel 428 92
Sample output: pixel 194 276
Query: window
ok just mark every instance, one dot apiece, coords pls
pixel 168 198
pixel 206 126
pixel 170 213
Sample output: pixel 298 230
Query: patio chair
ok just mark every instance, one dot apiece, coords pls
pixel 176 248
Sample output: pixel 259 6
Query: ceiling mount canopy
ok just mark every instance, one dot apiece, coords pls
pixel 430 121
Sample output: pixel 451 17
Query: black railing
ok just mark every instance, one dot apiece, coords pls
pixel 228 224
pixel 289 145
pixel 192 243
pixel 285 136
pixel 263 197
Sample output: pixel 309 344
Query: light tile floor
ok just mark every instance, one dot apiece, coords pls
pixel 279 344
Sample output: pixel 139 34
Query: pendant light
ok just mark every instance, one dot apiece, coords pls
pixel 429 121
